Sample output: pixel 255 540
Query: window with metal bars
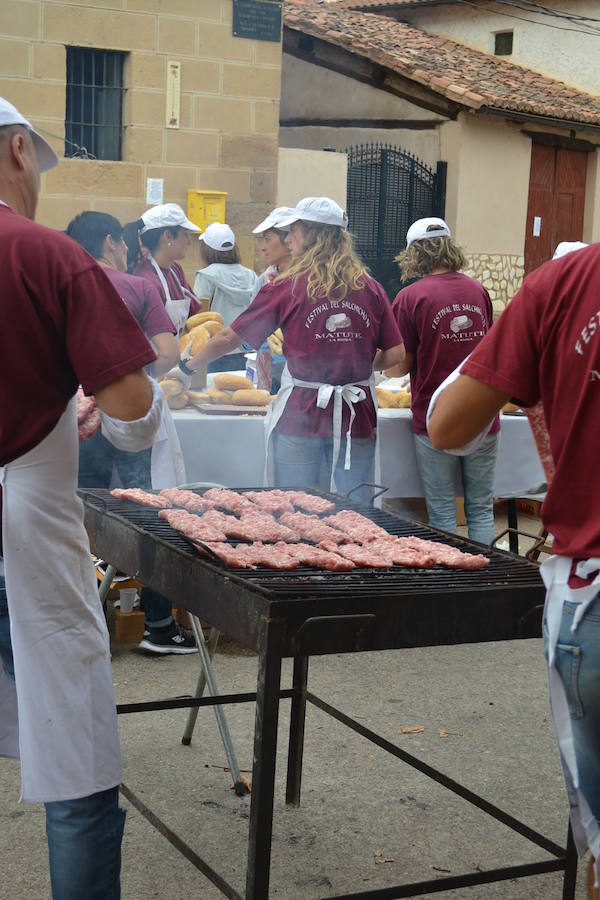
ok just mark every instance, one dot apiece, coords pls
pixel 93 123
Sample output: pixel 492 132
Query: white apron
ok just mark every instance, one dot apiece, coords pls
pixel 342 393
pixel 167 467
pixel 177 310
pixel 556 572
pixel 68 739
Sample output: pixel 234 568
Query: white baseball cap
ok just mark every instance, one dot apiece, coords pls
pixel 274 219
pixel 568 247
pixel 166 215
pixel 317 209
pixel 419 230
pixel 218 237
pixel 10 115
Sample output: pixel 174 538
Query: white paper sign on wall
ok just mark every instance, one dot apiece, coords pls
pixel 154 191
pixel 537 226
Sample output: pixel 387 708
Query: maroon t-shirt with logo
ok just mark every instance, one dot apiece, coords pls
pixel 61 324
pixel 326 343
pixel 143 302
pixel 441 318
pixel 546 345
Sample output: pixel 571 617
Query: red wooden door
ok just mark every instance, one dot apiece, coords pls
pixel 556 201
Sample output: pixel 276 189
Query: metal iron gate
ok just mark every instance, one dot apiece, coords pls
pixel 388 189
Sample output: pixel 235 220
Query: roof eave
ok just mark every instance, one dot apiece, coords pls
pixel 548 121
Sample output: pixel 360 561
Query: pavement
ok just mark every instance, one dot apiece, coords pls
pixel 367 821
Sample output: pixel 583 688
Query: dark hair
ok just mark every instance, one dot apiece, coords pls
pixel 228 257
pixel 131 236
pixel 90 229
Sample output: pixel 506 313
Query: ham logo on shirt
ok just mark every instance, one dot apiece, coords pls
pixel 339 320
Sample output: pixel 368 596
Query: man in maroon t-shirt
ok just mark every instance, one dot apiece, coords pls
pixel 442 318
pixel 546 347
pixel 61 324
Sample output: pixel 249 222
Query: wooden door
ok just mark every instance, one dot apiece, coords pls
pixel 556 201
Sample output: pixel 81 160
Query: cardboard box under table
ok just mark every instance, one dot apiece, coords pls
pixel 309 612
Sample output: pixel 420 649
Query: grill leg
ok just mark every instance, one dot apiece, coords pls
pixel 200 686
pixel 297 718
pixel 570 879
pixel 511 514
pixel 263 770
pixel 106 583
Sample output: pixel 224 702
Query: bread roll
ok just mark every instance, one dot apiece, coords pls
pixel 401 400
pixel 171 387
pixel 177 402
pixel 212 327
pixel 251 398
pixel 202 317
pixel 225 381
pixel 510 408
pixel 385 398
pixel 198 336
pixel 198 397
pixel 219 396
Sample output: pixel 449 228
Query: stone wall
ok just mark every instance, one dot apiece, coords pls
pixel 500 273
pixel 229 121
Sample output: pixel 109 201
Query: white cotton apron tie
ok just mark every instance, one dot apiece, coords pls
pixel 68 741
pixel 177 310
pixel 342 393
pixel 167 467
pixel 556 573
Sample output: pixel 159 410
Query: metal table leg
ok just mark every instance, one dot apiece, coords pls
pixel 570 879
pixel 106 583
pixel 265 750
pixel 209 678
pixel 200 685
pixel 513 537
pixel 297 719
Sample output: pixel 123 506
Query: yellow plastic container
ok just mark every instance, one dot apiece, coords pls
pixel 205 207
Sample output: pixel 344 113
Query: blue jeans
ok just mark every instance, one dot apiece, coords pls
pixel 304 462
pixel 84 846
pixel 6 657
pixel 157 608
pixel 97 457
pixel 439 470
pixel 232 362
pixel 577 660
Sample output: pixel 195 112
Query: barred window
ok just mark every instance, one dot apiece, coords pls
pixel 503 43
pixel 93 122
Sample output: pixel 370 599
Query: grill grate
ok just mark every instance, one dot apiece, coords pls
pixel 504 568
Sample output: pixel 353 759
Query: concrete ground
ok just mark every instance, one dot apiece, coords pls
pixel 367 821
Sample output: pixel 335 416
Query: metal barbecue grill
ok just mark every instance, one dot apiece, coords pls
pixel 307 612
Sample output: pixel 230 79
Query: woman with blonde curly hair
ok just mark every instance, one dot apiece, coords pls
pixel 337 324
pixel 442 317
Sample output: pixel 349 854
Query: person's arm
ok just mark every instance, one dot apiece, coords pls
pixel 393 357
pixel 462 412
pixel 223 342
pixel 167 353
pixel 127 398
pixel 401 368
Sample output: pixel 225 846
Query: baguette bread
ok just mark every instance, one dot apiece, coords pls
pixel 251 398
pixel 198 337
pixel 219 396
pixel 171 387
pixel 225 381
pixel 202 317
pixel 198 397
pixel 212 327
pixel 177 402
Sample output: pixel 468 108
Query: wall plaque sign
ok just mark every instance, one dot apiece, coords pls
pixel 257 19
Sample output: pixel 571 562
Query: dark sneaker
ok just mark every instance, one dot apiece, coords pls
pixel 171 639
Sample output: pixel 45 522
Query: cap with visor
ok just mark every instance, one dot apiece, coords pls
pixel 317 209
pixel 274 220
pixel 10 115
pixel 218 237
pixel 166 215
pixel 424 229
pixel 568 247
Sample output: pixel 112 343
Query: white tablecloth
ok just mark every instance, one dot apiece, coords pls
pixel 230 450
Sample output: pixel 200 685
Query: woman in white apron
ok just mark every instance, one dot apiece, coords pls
pixel 165 233
pixel 337 324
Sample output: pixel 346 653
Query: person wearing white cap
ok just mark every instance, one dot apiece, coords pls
pixel 545 348
pixel 336 323
pixel 165 232
pixel 61 324
pixel 273 244
pixel 442 317
pixel 227 284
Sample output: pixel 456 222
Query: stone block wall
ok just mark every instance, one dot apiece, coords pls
pixel 229 123
pixel 500 273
